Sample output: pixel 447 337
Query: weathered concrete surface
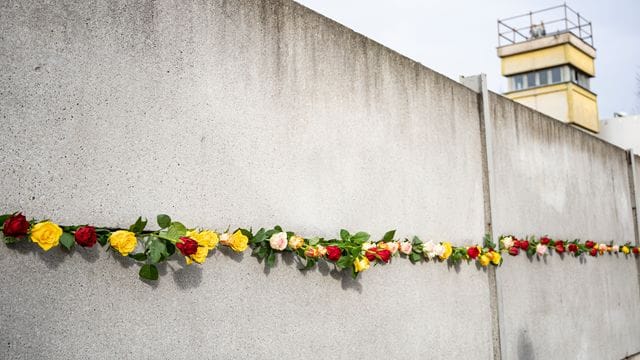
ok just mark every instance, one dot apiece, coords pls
pixel 553 179
pixel 65 307
pixel 231 113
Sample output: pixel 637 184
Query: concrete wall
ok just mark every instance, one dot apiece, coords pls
pixel 552 179
pixel 231 113
pixel 261 112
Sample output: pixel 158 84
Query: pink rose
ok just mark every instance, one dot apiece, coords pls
pixel 278 241
pixel 541 249
pixel 406 247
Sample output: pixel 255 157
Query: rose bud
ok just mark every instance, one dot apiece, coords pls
pixel 312 252
pixel 589 244
pixel 593 252
pixel 16 226
pixel 545 240
pixel 333 253
pixel 473 252
pixel 384 255
pixel 370 254
pixel 516 243
pixel 573 248
pixel 187 246
pixel 514 251
pixel 636 250
pixel 524 245
pixel 559 248
pixel 86 236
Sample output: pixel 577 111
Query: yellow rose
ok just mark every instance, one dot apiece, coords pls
pixel 361 264
pixel 447 251
pixel 200 256
pixel 296 242
pixel 484 260
pixel 46 234
pixel 123 241
pixel 238 242
pixel 495 259
pixel 625 250
pixel 206 238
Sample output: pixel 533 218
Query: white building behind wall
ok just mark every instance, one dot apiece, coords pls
pixel 623 131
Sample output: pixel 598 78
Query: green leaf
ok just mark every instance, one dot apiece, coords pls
pixel 271 259
pixel 138 256
pixel 10 239
pixel 175 231
pixel 414 257
pixel 259 237
pixel 389 235
pixel 149 272
pixel 360 237
pixel 157 249
pixel 277 228
pixel 4 218
pixel 310 264
pixel 67 240
pixel 102 239
pixel 139 226
pixel 416 241
pixel 164 221
pixel 314 241
pixel 344 235
pixel 344 262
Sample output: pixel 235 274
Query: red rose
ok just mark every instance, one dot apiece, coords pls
pixel 516 243
pixel 86 236
pixel 384 255
pixel 593 252
pixel 559 247
pixel 514 251
pixel 573 248
pixel 333 253
pixel 524 245
pixel 370 254
pixel 473 252
pixel 187 246
pixel 589 244
pixel 16 226
pixel 545 240
pixel 636 250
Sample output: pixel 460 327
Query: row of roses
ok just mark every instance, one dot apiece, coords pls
pixel 355 252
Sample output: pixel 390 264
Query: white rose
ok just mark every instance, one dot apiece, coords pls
pixel 615 248
pixel 438 250
pixel 507 242
pixel 428 249
pixel 278 241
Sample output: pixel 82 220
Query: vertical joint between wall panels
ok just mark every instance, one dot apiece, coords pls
pixel 478 83
pixel 635 201
pixel 635 193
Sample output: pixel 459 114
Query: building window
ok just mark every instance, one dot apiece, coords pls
pixel 518 82
pixel 556 75
pixel 543 76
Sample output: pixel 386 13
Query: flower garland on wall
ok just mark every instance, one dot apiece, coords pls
pixel 355 252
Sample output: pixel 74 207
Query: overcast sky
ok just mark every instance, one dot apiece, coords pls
pixel 458 37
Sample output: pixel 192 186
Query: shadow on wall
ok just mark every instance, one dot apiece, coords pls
pixel 525 346
pixel 185 276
